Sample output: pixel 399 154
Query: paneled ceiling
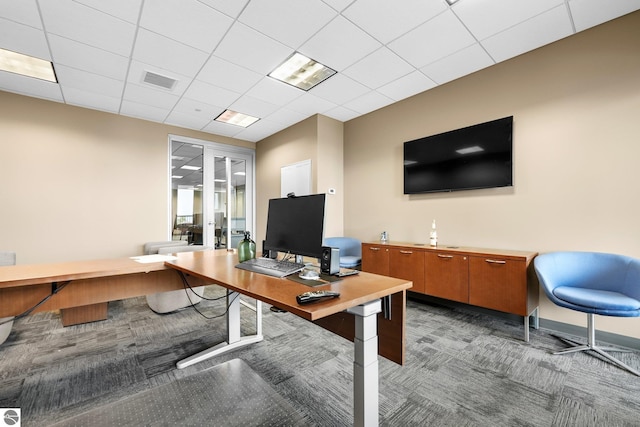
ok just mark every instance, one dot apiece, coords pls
pixel 220 52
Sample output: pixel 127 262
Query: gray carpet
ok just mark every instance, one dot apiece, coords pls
pixel 464 368
pixel 229 394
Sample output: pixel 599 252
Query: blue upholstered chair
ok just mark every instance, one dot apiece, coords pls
pixel 593 283
pixel 350 250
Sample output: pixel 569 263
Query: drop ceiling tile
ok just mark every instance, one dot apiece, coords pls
pixel 94 101
pixel 339 89
pixel 24 12
pixel 407 86
pixel 387 20
pixel 230 8
pixel 531 34
pixel 588 13
pixel 381 67
pixel 127 10
pixel 23 39
pixel 29 86
pixel 198 108
pixel 219 72
pixel 248 48
pixel 489 17
pixel 187 120
pixel 274 91
pixel 88 58
pixel 368 102
pixel 292 22
pixel 339 44
pixel 466 61
pixel 342 114
pixel 253 107
pixel 309 104
pixel 149 96
pixel 187 21
pixel 154 49
pixel 210 94
pixel 286 117
pixel 224 129
pixel 259 130
pixel 72 78
pixel 143 111
pixel 75 21
pixel 339 5
pixel 433 40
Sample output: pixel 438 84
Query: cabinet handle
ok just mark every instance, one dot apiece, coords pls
pixel 374 249
pixel 495 261
pixel 406 252
pixel 445 256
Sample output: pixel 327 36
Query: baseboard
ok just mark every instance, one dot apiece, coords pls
pixel 581 331
pixel 550 325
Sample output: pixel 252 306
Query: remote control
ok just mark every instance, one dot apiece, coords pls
pixel 313 296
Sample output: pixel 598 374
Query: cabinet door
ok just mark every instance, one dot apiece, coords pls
pixel 447 276
pixel 498 283
pixel 407 264
pixel 375 259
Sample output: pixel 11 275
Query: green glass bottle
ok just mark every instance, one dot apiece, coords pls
pixel 246 248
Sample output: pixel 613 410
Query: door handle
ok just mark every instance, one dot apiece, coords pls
pixel 495 261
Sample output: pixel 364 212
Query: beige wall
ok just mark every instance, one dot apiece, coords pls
pixel 318 139
pixel 82 184
pixel 576 108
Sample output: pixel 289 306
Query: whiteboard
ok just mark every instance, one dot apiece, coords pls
pixel 296 178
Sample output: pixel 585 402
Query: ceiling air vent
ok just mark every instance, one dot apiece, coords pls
pixel 158 80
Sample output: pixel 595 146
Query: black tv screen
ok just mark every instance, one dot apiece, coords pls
pixel 296 225
pixel 478 156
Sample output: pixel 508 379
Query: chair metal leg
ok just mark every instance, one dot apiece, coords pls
pixel 591 345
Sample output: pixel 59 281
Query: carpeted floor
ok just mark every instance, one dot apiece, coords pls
pixel 463 368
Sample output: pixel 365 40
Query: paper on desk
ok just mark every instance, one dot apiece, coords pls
pixel 148 259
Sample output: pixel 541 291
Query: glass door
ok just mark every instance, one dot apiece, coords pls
pixel 211 192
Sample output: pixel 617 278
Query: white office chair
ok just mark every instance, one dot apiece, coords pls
pixel 6 258
pixel 167 302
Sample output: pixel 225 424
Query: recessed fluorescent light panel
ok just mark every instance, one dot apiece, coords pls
pixel 235 118
pixel 302 72
pixel 469 150
pixel 191 168
pixel 26 65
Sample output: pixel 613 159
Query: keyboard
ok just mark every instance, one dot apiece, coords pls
pixel 271 267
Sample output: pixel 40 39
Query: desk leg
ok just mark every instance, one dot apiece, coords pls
pixel 234 338
pixel 365 364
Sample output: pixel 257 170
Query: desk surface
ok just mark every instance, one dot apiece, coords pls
pixel 34 274
pixel 219 267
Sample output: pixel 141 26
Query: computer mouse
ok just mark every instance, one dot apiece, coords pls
pixel 309 274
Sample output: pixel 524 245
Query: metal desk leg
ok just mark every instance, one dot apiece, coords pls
pixel 365 364
pixel 234 338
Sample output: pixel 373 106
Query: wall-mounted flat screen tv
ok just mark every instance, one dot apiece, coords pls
pixel 478 156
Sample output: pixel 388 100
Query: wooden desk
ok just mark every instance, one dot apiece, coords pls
pixel 88 286
pixel 81 290
pixel 353 315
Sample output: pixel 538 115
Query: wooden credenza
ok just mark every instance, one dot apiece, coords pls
pixel 501 280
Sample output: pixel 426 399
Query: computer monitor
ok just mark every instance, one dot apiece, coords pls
pixel 296 225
